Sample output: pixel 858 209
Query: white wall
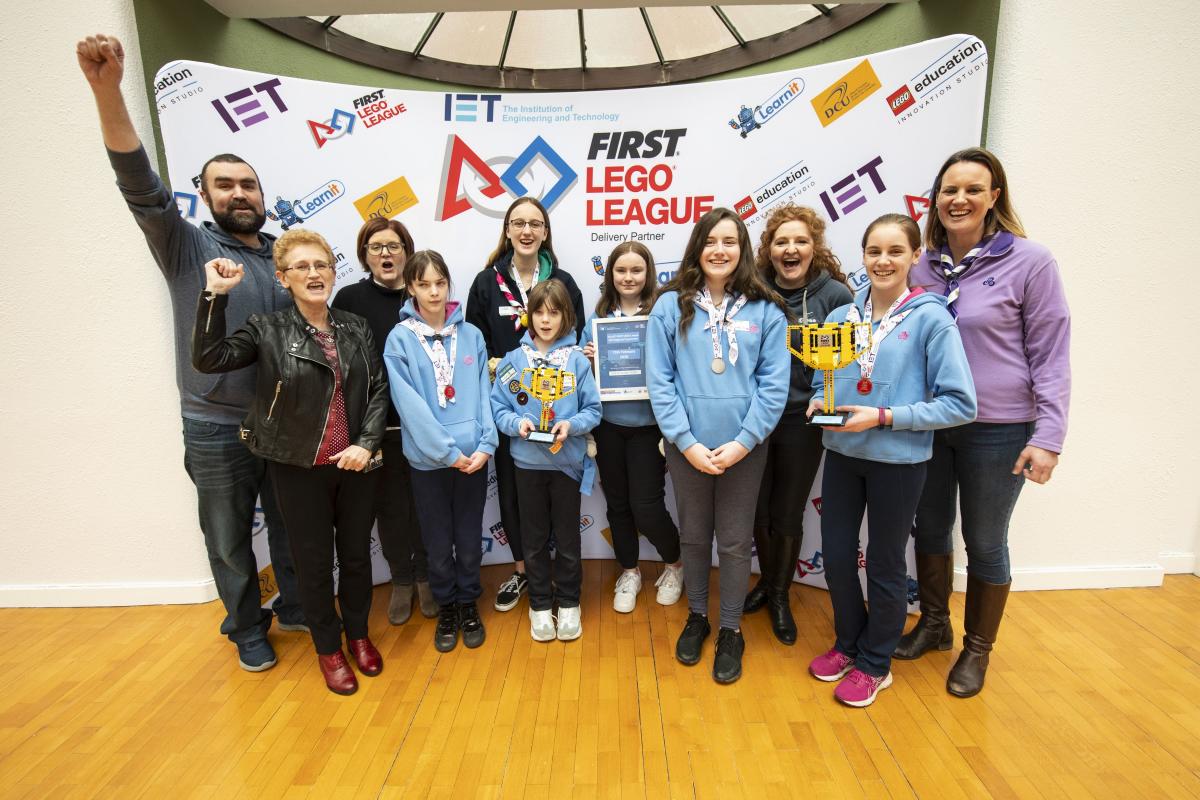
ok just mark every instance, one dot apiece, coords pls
pixel 97 507
pixel 1092 113
pixel 1095 117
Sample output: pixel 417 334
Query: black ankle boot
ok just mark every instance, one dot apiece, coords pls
pixel 784 552
pixel 935 577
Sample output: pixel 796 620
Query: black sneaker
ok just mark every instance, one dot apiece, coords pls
pixel 727 666
pixel 510 592
pixel 471 625
pixel 697 629
pixel 445 635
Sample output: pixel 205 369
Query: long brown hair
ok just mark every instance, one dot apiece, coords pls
pixel 823 259
pixel 609 299
pixel 1000 217
pixel 552 293
pixel 505 246
pixel 690 277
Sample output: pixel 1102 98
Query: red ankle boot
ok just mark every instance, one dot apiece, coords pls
pixel 370 663
pixel 338 675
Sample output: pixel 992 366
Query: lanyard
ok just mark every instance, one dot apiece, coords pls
pixel 890 321
pixel 952 272
pixel 520 318
pixel 443 367
pixel 555 358
pixel 719 319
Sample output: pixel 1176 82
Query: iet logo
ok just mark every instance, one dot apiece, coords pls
pixel 466 107
pixel 242 108
pixel 538 171
pixel 847 194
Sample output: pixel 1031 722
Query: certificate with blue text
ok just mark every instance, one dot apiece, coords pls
pixel 620 358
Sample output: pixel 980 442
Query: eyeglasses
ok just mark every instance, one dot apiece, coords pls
pixel 319 266
pixel 535 225
pixel 375 248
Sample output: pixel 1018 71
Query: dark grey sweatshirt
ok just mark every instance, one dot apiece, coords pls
pixel 823 294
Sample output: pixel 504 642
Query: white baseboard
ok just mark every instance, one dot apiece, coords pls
pixel 81 595
pixel 1177 563
pixel 1042 578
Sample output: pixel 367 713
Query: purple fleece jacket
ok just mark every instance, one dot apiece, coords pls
pixel 1016 330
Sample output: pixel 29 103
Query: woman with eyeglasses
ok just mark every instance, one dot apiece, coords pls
pixel 496 305
pixel 318 417
pixel 384 246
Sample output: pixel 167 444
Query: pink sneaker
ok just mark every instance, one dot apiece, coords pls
pixel 858 689
pixel 831 666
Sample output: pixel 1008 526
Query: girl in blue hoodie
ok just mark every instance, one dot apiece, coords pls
pixel 437 370
pixel 717 372
pixel 911 380
pixel 549 476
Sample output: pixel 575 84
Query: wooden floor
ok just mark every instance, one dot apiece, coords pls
pixel 1090 694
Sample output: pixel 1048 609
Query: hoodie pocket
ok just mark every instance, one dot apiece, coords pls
pixel 716 420
pixel 845 393
pixel 466 435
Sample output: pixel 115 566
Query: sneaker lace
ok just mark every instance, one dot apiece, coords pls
pixel 696 622
pixel 448 619
pixel 669 578
pixel 627 583
pixel 860 678
pixel 511 584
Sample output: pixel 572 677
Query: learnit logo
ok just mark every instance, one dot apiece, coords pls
pixel 849 194
pixel 855 86
pixel 900 99
pixel 585 522
pixel 294 212
pixel 965 61
pixel 747 120
pixel 250 106
pixel 537 171
pixel 471 107
pixel 387 201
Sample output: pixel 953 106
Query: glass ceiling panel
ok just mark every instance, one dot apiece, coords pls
pixel 689 31
pixel 474 38
pixel 398 31
pixel 617 37
pixel 545 40
pixel 755 22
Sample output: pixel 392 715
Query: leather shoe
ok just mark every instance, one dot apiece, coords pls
pixel 756 598
pixel 445 635
pixel 471 625
pixel 783 624
pixel 338 675
pixel 369 662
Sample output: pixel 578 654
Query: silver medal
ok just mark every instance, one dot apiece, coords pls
pixel 718 365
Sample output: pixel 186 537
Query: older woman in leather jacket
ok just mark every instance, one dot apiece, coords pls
pixel 318 416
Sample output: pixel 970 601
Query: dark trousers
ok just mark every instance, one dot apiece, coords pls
pixel 633 474
pixel 399 532
pixel 328 509
pixel 550 505
pixel 228 480
pixel 889 493
pixel 721 507
pixel 506 495
pixel 450 504
pixel 794 453
pixel 972 467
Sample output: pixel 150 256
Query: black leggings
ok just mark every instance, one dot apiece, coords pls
pixel 633 473
pixel 793 455
pixel 506 490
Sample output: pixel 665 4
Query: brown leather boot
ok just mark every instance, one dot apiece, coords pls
pixel 757 597
pixel 935 580
pixel 985 608
pixel 338 675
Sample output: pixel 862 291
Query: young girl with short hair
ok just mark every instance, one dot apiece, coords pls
pixel 549 476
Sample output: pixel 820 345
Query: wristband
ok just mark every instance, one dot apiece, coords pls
pixel 882 417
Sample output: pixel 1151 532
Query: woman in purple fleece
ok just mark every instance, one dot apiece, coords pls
pixel 1007 296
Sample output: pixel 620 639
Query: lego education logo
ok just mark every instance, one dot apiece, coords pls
pixel 965 61
pixel 245 107
pixel 851 89
pixel 537 171
pixel 174 84
pixel 748 121
pixel 387 201
pixel 794 181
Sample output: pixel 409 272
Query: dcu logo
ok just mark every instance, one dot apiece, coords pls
pixel 747 120
pixel 538 171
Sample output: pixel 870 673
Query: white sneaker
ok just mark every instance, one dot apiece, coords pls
pixel 670 585
pixel 569 625
pixel 541 625
pixel 628 586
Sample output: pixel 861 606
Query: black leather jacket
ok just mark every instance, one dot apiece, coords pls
pixel 294 388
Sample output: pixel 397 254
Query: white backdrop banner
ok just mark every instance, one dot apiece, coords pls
pixel 853 139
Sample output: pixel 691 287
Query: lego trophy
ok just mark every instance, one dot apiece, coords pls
pixel 547 384
pixel 828 346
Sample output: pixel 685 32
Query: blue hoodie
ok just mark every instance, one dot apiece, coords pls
pixel 694 404
pixel 581 408
pixel 435 437
pixel 626 413
pixel 921 373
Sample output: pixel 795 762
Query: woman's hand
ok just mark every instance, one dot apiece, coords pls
pixel 353 458
pixel 862 418
pixel 1036 464
pixel 701 458
pixel 462 463
pixel 476 462
pixel 814 405
pixel 561 430
pixel 525 427
pixel 728 454
pixel 222 275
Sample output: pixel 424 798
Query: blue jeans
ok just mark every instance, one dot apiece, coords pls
pixel 228 480
pixel 972 464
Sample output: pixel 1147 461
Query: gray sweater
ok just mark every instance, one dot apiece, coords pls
pixel 181 249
